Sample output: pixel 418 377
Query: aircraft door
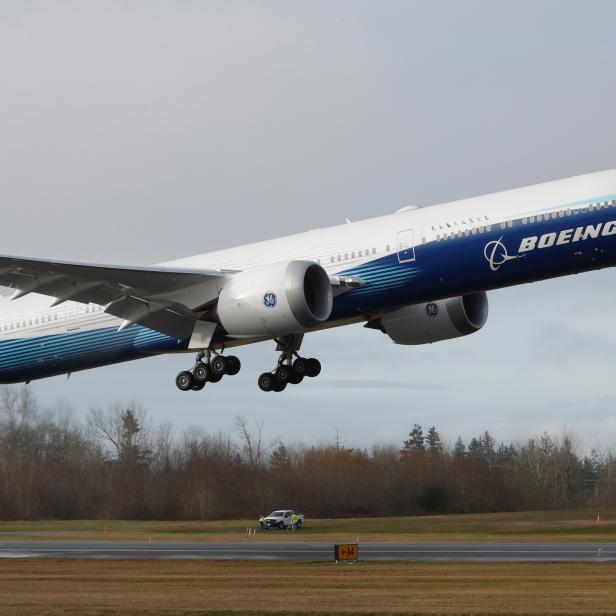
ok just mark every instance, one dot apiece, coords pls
pixel 406 246
pixel 72 316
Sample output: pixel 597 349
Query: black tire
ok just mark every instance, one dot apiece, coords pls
pixel 284 373
pixel 296 379
pixel 214 378
pixel 279 385
pixel 218 365
pixel 280 526
pixel 184 381
pixel 200 373
pixel 300 367
pixel 233 365
pixel 266 381
pixel 313 367
pixel 198 385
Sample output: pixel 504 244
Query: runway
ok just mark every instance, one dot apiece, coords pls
pixel 306 551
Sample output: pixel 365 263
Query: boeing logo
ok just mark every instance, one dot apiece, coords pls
pixel 496 253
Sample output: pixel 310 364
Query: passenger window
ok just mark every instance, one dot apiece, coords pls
pixel 387 248
pixel 352 255
pixel 339 257
pixel 346 256
pixel 359 254
pixel 374 251
pixel 332 259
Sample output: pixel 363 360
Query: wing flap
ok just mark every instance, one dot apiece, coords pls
pixel 161 298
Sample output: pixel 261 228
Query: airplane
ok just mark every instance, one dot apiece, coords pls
pixel 420 275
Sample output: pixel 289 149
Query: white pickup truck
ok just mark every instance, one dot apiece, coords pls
pixel 283 518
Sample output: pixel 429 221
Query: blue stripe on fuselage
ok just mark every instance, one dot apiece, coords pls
pixel 23 359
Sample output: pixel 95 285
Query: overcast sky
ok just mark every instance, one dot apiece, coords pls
pixel 138 132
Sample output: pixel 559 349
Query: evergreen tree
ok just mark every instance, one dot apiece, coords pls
pixel 475 447
pixel 506 452
pixel 280 461
pixel 416 440
pixel 132 449
pixel 433 440
pixel 488 444
pixel 459 449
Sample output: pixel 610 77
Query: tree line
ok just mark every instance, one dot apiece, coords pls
pixel 117 465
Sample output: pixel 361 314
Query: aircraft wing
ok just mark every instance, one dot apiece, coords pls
pixel 166 299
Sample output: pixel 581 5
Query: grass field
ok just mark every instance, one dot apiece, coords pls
pixel 579 525
pixel 54 587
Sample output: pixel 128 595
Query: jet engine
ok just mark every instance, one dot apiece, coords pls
pixel 275 299
pixel 434 321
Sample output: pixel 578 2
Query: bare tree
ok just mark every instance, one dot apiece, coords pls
pixel 126 430
pixel 254 448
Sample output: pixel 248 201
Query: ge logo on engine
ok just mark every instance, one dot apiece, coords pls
pixel 431 309
pixel 269 299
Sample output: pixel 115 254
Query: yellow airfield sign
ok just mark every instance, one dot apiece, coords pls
pixel 346 551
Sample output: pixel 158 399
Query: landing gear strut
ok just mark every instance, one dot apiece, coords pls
pixel 207 369
pixel 291 368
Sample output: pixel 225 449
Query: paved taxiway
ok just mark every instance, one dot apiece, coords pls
pixel 268 550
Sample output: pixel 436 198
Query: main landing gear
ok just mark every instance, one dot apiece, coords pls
pixel 207 369
pixel 289 370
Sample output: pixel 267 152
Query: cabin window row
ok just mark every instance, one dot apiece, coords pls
pixel 43 319
pixel 29 322
pixel 567 212
pixel 346 256
pixel 466 232
pixel 454 223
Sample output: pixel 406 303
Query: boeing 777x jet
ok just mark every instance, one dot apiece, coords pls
pixel 419 276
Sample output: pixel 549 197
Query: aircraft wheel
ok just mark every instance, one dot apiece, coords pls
pixel 233 365
pixel 198 385
pixel 266 381
pixel 279 385
pixel 284 373
pixel 313 367
pixel 214 378
pixel 296 378
pixel 200 373
pixel 184 381
pixel 300 366
pixel 218 365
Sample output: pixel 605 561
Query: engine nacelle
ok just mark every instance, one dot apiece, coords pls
pixel 275 299
pixel 434 321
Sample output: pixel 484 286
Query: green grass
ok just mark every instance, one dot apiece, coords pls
pixel 578 525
